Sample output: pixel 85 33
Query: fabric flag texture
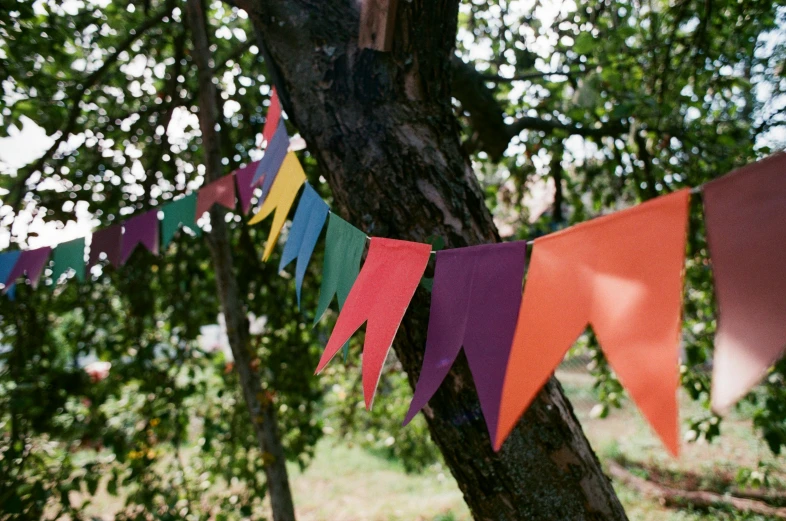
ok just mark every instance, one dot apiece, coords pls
pixel 381 294
pixel 142 229
pixel 108 241
pixel 7 262
pixel 272 118
pixel 282 195
pixel 746 228
pixel 245 187
pixel 269 165
pixel 177 213
pixel 622 274
pixel 69 255
pixel 475 301
pixel 221 191
pixel 309 220
pixel 30 262
pixel 344 246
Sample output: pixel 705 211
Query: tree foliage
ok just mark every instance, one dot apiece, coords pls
pixel 608 103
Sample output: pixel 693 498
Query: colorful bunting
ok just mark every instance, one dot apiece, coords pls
pixel 381 294
pixel 221 191
pixel 309 219
pixel 142 229
pixel 344 245
pixel 290 178
pixel 31 263
pixel 623 275
pixel 475 300
pixel 7 262
pixel 108 241
pixel 269 166
pixel 179 212
pixel 69 255
pixel 273 117
pixel 245 187
pixel 746 227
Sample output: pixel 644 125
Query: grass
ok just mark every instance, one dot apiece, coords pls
pixel 351 484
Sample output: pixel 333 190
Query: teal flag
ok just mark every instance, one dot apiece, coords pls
pixel 69 255
pixel 181 211
pixel 343 250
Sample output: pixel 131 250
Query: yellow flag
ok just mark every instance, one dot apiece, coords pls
pixel 288 181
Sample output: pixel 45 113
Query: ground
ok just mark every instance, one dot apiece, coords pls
pixel 346 483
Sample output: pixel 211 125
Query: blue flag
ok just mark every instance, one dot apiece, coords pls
pixel 309 219
pixel 7 262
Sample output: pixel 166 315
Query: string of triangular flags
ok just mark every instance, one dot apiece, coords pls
pixel 621 273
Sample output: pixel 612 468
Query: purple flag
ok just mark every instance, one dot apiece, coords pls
pixel 475 303
pixel 245 188
pixel 142 229
pixel 106 241
pixel 270 164
pixel 31 262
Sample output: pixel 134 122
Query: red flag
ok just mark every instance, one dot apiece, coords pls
pixel 272 118
pixel 221 192
pixel 622 274
pixel 746 229
pixel 381 294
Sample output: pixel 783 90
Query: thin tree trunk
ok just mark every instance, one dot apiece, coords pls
pixel 259 405
pixel 382 129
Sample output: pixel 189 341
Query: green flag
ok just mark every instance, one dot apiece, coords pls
pixel 69 255
pixel 181 211
pixel 343 250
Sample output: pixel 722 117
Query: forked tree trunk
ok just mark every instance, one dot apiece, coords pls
pixel 383 131
pixel 261 408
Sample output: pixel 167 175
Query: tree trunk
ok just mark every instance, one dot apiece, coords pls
pixel 260 407
pixel 382 129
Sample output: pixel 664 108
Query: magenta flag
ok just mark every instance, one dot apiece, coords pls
pixel 142 229
pixel 30 262
pixel 746 229
pixel 475 303
pixel 245 187
pixel 107 241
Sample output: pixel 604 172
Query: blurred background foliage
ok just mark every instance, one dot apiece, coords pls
pixel 569 110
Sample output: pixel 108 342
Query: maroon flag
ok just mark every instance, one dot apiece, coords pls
pixel 746 228
pixel 245 188
pixel 142 229
pixel 475 302
pixel 107 241
pixel 30 262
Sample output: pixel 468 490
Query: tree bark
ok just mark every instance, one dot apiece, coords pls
pixel 260 407
pixel 382 129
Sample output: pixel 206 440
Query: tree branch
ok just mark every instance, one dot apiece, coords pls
pixel 487 117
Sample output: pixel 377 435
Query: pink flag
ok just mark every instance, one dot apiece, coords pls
pixel 221 192
pixel 746 228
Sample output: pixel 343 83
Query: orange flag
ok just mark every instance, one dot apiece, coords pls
pixel 623 275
